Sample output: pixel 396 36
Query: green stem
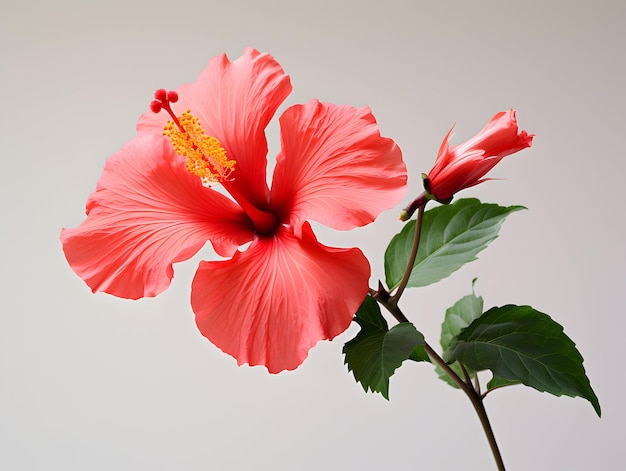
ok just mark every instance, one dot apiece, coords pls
pixel 468 380
pixel 477 401
pixel 474 396
pixel 409 266
pixel 391 304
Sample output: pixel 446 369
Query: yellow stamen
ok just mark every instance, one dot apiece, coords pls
pixel 205 155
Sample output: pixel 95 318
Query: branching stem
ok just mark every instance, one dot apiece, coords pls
pixel 474 395
pixel 476 400
pixel 471 391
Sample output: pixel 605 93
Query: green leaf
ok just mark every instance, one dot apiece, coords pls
pixel 519 343
pixel 496 382
pixel 457 318
pixel 369 317
pixel 451 236
pixel 419 354
pixel 376 352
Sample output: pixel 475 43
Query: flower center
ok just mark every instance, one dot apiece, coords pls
pixel 206 158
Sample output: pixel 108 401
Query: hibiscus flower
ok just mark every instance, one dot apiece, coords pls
pixel 157 204
pixel 465 165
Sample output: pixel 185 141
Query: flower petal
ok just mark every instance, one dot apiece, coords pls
pixel 443 155
pixel 148 212
pixel 270 304
pixel 234 101
pixel 334 167
pixel 500 137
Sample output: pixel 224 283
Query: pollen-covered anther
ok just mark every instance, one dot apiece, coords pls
pixel 206 158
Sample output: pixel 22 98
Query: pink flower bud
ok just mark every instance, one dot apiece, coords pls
pixel 466 164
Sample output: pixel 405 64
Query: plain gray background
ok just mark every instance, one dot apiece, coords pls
pixel 98 383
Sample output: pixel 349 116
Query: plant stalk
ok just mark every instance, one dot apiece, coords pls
pixel 476 400
pixel 409 266
pixel 474 396
pixel 391 304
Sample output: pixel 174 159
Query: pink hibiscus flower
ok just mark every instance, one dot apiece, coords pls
pixel 269 303
pixel 465 165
